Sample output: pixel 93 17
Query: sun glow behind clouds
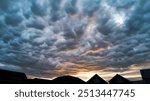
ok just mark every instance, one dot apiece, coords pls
pixel 132 73
pixel 119 19
pixel 117 16
pixel 108 75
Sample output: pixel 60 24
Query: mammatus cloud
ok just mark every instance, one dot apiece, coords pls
pixel 52 37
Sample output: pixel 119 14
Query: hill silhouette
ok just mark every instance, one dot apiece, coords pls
pixel 96 79
pixel 118 79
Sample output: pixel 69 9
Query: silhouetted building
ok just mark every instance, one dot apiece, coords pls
pixel 12 77
pixel 96 79
pixel 67 80
pixel 118 79
pixel 145 75
pixel 38 81
pixel 138 82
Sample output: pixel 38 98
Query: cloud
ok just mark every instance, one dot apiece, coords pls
pixel 43 34
pixel 13 19
pixel 89 7
pixel 70 7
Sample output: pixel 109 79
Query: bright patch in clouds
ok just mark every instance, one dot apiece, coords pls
pixel 119 19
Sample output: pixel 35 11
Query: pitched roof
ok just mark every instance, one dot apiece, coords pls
pixel 96 79
pixel 118 79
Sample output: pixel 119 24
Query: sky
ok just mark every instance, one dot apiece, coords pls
pixel 51 38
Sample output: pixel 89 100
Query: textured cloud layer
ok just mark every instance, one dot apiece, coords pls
pixel 40 37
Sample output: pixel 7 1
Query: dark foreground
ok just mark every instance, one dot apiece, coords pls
pixel 11 77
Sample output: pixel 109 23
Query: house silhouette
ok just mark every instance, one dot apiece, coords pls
pixel 145 75
pixel 67 80
pixel 96 79
pixel 38 81
pixel 12 77
pixel 118 79
pixel 138 82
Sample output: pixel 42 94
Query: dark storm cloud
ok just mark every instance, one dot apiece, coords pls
pixel 36 23
pixel 89 7
pixel 70 7
pixel 13 19
pixel 38 8
pixel 120 4
pixel 2 23
pixel 42 34
pixel 56 13
pixel 4 4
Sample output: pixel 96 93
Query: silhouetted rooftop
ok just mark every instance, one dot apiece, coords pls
pixel 118 79
pixel 39 81
pixel 67 80
pixel 139 82
pixel 96 79
pixel 145 73
pixel 12 77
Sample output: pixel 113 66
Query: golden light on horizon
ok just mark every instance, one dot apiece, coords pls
pixel 85 71
pixel 107 75
pixel 133 72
